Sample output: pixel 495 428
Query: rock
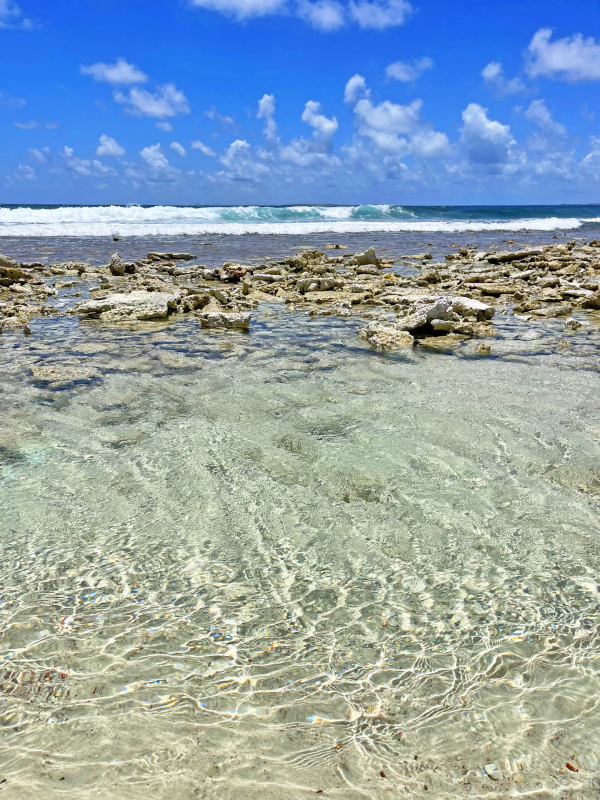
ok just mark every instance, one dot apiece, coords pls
pixel 133 305
pixel 573 324
pixel 268 277
pixel 10 274
pixel 483 349
pixel 225 319
pixel 368 257
pixel 562 310
pixel 170 256
pixel 444 309
pixel 367 269
pixel 506 256
pixel 432 276
pixel 593 301
pixel 496 289
pixel 10 263
pixel 382 337
pixel 116 265
pixel 493 772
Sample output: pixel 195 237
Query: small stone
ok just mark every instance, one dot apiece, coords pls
pixel 564 343
pixel 26 329
pixel 483 349
pixel 492 771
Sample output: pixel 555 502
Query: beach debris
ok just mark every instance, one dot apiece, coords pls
pixel 132 305
pixel 571 767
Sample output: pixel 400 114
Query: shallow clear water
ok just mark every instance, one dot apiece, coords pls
pixel 259 565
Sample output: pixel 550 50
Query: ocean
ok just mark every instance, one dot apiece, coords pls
pixel 275 563
pixel 142 220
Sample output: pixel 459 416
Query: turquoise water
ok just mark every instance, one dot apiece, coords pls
pixel 85 221
pixel 263 565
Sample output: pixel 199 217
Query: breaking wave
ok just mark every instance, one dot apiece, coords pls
pixel 100 221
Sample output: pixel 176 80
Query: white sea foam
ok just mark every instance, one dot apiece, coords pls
pixel 101 221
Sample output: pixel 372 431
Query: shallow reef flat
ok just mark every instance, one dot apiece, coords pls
pixel 326 550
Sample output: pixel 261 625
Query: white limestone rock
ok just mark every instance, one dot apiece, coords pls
pixel 133 305
pixel 226 319
pixel 383 337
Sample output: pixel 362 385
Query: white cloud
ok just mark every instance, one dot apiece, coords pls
pixel 197 145
pixel 222 119
pixel 109 147
pixel 594 152
pixel 324 15
pixel 487 141
pixel 266 110
pixel 355 88
pixel 34 125
pixel 242 9
pixel 68 151
pixel 493 75
pixel 167 101
pixel 119 73
pixel 402 71
pixel 7 101
pixel 570 59
pixel 154 157
pixel 10 16
pixel 178 148
pixel 25 172
pixel 38 155
pixel 395 129
pixel 164 126
pixel 323 127
pixel 538 113
pixel 380 15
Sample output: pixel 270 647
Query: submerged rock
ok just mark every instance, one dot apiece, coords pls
pixel 225 319
pixel 134 305
pixel 170 256
pixel 383 337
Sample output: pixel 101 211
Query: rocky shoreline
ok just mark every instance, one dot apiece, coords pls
pixel 454 299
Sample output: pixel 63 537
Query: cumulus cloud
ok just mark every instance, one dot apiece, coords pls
pixel 405 72
pixel 324 15
pixel 178 148
pixel 11 16
pixel 487 142
pixel 198 145
pixel 355 88
pixel 83 166
pixel 266 111
pixel 164 126
pixel 109 147
pixel 121 73
pixel 394 128
pixel 493 75
pixel 571 59
pixel 166 101
pixel 380 15
pixel 538 113
pixel 242 9
pixel 323 127
pixel 25 173
pixel 154 157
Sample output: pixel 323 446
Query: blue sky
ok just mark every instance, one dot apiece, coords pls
pixel 292 101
